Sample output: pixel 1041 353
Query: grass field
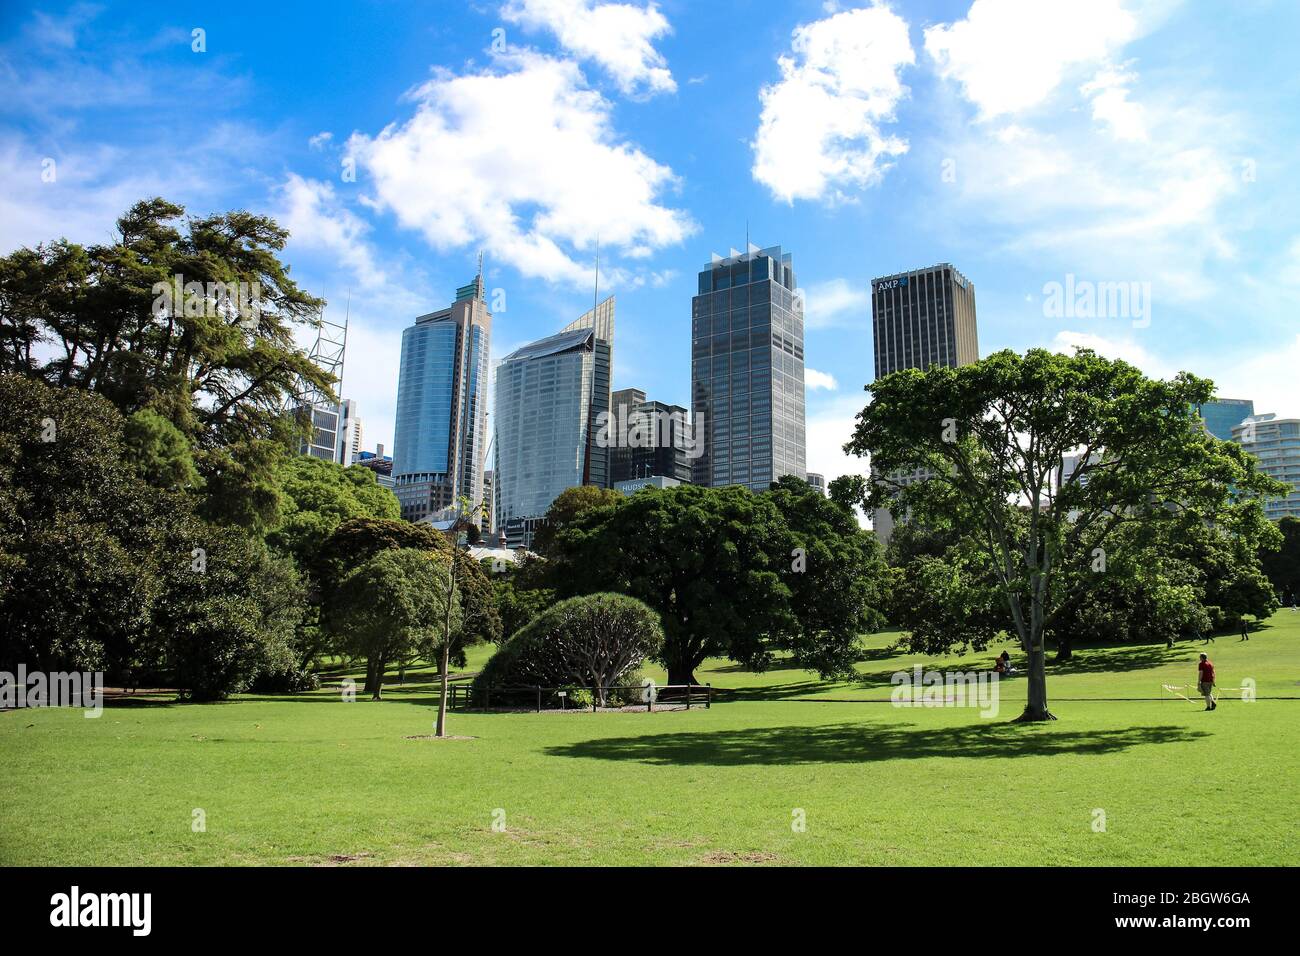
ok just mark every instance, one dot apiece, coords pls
pixel 310 779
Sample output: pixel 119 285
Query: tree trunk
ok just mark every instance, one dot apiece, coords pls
pixel 681 673
pixel 441 730
pixel 1036 707
pixel 442 699
pixel 374 677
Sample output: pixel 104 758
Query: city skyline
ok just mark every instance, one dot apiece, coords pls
pixel 944 153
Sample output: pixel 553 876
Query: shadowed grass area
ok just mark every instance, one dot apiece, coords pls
pixel 282 782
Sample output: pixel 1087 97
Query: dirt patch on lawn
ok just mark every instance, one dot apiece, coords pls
pixel 727 858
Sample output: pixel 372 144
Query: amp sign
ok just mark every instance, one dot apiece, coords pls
pixel 891 284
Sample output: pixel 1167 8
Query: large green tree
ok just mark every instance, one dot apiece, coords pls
pixel 101 569
pixel 990 439
pixel 569 505
pixel 393 606
pixel 840 584
pixel 218 361
pixel 727 573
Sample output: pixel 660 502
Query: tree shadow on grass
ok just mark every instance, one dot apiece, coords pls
pixel 867 743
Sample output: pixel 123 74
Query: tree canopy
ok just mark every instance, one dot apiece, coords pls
pixel 731 573
pixel 983 446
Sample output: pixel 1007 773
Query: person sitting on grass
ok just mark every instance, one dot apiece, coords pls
pixel 1003 665
pixel 1205 681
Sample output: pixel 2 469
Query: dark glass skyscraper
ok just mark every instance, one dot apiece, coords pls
pixel 921 318
pixel 924 317
pixel 653 439
pixel 747 370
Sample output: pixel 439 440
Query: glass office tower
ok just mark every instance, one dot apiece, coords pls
pixel 441 428
pixel 550 399
pixel 1222 415
pixel 747 370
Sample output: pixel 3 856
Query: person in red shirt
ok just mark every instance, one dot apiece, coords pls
pixel 1205 681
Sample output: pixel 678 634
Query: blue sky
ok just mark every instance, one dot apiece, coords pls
pixel 1025 141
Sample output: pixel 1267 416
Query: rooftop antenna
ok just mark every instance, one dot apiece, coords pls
pixel 482 291
pixel 343 353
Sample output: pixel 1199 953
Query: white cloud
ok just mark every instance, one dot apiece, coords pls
pixel 815 379
pixel 830 424
pixel 1108 92
pixel 1265 375
pixel 1113 348
pixel 834 301
pixel 316 219
pixel 1113 178
pixel 320 140
pixel 525 162
pixel 1010 55
pixel 819 132
pixel 618 36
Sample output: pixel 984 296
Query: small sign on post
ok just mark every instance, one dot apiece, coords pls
pixel 563 695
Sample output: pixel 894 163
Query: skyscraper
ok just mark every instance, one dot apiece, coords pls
pixel 1275 443
pixel 652 439
pixel 921 318
pixel 747 370
pixel 1222 415
pixel 441 428
pixel 551 397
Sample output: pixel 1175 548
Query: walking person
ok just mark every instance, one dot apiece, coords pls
pixel 1245 630
pixel 1205 682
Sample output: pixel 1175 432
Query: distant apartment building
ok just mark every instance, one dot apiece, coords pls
pixel 632 485
pixel 648 438
pixel 354 437
pixel 441 428
pixel 921 318
pixel 551 398
pixel 747 370
pixel 379 463
pixel 1222 415
pixel 1275 443
pixel 333 425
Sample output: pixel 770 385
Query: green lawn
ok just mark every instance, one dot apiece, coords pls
pixel 310 779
